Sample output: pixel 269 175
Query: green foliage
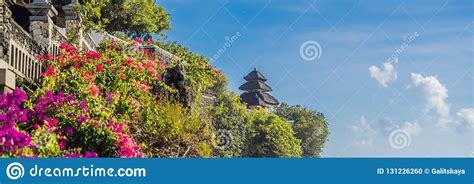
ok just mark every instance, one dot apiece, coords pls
pixel 90 12
pixel 310 126
pixel 200 75
pixel 272 137
pixel 136 18
pixel 46 142
pixel 231 116
pixel 95 138
pixel 166 129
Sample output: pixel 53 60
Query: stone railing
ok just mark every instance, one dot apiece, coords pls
pixel 162 54
pixel 159 52
pixel 58 36
pixel 89 42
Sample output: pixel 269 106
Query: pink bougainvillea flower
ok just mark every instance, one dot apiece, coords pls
pixel 69 131
pixel 89 154
pixel 99 67
pixel 94 90
pixel 51 122
pixel 62 144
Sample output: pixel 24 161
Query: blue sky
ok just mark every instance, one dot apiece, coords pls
pixel 394 78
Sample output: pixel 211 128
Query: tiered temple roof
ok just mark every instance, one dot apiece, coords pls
pixel 257 91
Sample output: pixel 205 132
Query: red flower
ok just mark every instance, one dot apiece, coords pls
pixel 144 87
pixel 153 72
pixel 94 90
pixel 44 57
pixel 68 48
pixel 138 40
pixel 50 72
pixel 77 58
pixel 99 67
pixel 93 55
pixel 77 65
pixel 128 61
pixel 158 78
pixel 139 67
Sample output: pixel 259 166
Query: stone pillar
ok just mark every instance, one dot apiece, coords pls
pixel 5 15
pixel 41 23
pixel 7 80
pixel 7 77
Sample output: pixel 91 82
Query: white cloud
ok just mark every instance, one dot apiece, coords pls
pixel 367 133
pixel 386 126
pixel 412 128
pixel 466 117
pixel 383 75
pixel 435 94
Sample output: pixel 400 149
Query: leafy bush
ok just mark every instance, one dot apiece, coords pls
pixel 272 137
pixel 200 75
pixel 232 123
pixel 311 127
pixel 167 129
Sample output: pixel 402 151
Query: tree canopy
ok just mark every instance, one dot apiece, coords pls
pixel 311 127
pixel 137 18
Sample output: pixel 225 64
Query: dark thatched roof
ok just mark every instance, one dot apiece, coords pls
pixel 255 86
pixel 255 75
pixel 258 99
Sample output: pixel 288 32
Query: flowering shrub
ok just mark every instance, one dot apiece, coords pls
pixel 82 97
pixel 109 85
pixel 106 103
pixel 13 140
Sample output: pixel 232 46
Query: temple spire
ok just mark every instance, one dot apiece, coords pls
pixel 257 90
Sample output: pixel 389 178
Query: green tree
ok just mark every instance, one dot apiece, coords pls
pixel 231 122
pixel 272 137
pixel 311 127
pixel 137 18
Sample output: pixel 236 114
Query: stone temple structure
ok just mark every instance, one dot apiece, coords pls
pixel 256 94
